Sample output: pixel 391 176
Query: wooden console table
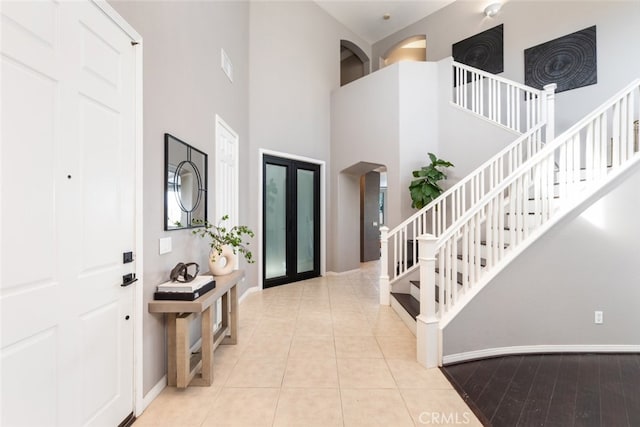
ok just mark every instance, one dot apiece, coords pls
pixel 183 367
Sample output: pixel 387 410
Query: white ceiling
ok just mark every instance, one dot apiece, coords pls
pixel 364 17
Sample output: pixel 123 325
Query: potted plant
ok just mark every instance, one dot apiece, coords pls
pixel 225 244
pixel 425 188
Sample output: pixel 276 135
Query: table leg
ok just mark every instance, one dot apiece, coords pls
pixel 207 346
pixel 183 355
pixel 231 313
pixel 171 349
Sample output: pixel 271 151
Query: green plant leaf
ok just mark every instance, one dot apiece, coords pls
pixel 425 188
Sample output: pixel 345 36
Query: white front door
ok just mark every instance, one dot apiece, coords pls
pixel 67 215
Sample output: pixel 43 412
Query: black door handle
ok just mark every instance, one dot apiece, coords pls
pixel 128 279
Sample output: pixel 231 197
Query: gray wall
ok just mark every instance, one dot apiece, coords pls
pixel 294 52
pixel 295 64
pixel 529 23
pixel 184 88
pixel 548 294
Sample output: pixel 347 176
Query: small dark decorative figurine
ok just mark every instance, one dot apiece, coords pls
pixel 180 272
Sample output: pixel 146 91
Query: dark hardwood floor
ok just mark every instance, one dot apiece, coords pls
pixel 559 390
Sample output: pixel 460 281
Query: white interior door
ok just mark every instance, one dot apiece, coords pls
pixel 67 215
pixel 226 182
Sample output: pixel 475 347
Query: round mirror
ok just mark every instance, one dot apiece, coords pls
pixel 186 186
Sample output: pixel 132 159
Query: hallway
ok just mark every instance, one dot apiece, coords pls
pixel 319 352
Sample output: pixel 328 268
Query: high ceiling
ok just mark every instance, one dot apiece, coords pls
pixel 365 17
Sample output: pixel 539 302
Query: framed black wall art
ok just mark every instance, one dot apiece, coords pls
pixel 569 61
pixel 484 51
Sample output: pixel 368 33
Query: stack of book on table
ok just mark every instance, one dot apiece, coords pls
pixel 185 291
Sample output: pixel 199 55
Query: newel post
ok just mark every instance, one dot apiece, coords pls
pixel 427 327
pixel 549 106
pixel 384 266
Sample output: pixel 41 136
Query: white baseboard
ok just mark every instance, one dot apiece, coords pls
pixel 341 273
pixel 153 393
pixel 249 291
pixel 533 349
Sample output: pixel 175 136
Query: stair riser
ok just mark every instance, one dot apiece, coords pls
pixel 484 251
pixel 415 292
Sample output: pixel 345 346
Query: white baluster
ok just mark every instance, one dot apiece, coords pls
pixel 384 266
pixel 615 161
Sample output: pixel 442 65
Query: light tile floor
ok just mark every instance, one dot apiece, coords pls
pixel 321 352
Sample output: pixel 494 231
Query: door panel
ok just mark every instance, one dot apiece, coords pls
pixel 41 385
pixel 275 253
pixel 291 209
pixel 67 216
pixel 29 99
pixel 370 217
pixel 306 221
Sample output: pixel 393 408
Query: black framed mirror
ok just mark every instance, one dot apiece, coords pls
pixel 185 186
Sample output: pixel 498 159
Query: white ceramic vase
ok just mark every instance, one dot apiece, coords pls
pixel 223 263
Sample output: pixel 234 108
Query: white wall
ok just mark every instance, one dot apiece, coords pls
pixel 529 23
pixel 548 294
pixel 394 117
pixel 364 128
pixel 295 64
pixel 184 88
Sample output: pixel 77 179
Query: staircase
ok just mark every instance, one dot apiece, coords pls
pixel 505 103
pixel 467 236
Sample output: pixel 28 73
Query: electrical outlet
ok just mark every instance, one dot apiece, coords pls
pixel 598 318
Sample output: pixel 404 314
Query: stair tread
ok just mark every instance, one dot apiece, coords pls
pixel 484 243
pixel 408 302
pixel 459 274
pixel 531 199
pixel 483 261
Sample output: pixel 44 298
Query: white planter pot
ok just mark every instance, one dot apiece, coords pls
pixel 223 263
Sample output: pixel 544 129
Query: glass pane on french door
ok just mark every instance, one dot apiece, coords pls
pixel 275 221
pixel 305 225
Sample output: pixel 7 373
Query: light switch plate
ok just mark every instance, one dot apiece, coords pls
pixel 165 245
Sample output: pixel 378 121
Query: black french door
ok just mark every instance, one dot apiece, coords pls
pixel 291 220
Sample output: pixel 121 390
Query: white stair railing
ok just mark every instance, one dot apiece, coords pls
pixel 399 246
pixel 502 101
pixel 579 160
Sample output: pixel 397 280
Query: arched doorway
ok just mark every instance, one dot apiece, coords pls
pixel 354 63
pixel 371 178
pixel 410 49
